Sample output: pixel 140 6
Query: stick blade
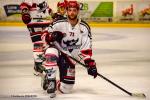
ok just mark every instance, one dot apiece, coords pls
pixel 142 95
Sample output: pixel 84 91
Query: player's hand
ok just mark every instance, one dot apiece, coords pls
pixel 91 67
pixel 26 18
pixel 57 36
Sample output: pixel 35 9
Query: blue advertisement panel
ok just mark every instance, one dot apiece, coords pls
pixel 12 9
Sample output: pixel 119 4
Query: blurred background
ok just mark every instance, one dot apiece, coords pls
pixel 106 11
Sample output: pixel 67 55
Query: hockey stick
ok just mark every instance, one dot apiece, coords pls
pixel 119 87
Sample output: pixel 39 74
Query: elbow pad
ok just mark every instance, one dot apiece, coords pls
pixel 25 7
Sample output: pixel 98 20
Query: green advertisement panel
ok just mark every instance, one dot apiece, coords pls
pixel 97 11
pixel 104 9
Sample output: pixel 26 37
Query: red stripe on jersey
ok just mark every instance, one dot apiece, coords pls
pixel 39 23
pixel 38 50
pixel 50 54
pixel 50 64
pixel 35 50
pixel 35 33
pixel 87 52
pixel 69 77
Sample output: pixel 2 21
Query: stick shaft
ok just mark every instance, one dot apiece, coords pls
pixel 129 93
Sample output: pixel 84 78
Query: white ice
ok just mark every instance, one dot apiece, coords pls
pixel 122 55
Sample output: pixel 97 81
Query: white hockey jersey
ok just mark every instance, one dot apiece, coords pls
pixel 39 19
pixel 77 38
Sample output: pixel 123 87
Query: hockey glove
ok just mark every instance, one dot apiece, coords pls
pixel 54 36
pixel 26 18
pixel 57 36
pixel 91 67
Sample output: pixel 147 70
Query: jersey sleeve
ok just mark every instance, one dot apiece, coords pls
pixel 25 8
pixel 52 27
pixel 56 26
pixel 86 47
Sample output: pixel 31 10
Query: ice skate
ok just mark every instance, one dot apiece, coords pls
pixel 44 82
pixel 52 88
pixel 38 69
pixel 52 95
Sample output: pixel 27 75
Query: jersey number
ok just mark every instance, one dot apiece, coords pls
pixel 72 34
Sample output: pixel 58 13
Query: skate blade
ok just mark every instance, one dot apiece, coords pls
pixel 38 74
pixel 52 95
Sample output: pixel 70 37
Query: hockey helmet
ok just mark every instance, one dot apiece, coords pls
pixel 61 4
pixel 73 4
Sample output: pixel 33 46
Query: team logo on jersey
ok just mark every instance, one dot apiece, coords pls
pixel 71 44
pixel 50 72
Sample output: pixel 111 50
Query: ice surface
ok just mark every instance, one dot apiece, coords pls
pixel 122 55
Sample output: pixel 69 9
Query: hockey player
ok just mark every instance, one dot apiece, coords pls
pixel 74 36
pixel 61 10
pixel 36 15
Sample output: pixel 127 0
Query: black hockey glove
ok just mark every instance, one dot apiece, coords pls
pixel 91 67
pixel 57 36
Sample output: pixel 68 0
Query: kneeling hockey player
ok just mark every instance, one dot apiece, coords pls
pixel 74 36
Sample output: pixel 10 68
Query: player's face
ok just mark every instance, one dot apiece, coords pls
pixel 72 13
pixel 62 10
